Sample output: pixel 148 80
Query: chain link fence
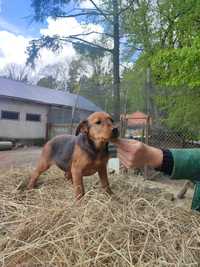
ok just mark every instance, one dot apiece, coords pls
pixel 166 138
pixel 144 130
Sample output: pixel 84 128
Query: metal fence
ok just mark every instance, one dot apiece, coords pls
pixel 157 136
pixel 166 138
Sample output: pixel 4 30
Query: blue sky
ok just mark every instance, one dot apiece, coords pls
pixel 16 32
pixel 13 17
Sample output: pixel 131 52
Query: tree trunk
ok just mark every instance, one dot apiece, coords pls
pixel 116 75
pixel 151 108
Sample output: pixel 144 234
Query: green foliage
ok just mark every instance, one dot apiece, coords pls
pixel 46 8
pixel 88 50
pixel 180 111
pixel 162 24
pixel 133 82
pixel 98 88
pixel 33 50
pixel 74 73
pixel 178 67
pixel 168 32
pixel 48 82
pixel 138 23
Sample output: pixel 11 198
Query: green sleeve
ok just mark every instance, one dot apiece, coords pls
pixel 196 197
pixel 186 164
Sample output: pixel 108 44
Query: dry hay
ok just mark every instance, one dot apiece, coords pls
pixel 136 227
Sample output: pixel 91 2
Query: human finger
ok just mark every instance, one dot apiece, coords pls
pixel 127 161
pixel 126 154
pixel 126 144
pixel 124 161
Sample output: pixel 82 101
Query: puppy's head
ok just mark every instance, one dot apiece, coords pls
pixel 99 127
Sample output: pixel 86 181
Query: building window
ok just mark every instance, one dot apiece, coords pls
pixel 9 115
pixel 33 117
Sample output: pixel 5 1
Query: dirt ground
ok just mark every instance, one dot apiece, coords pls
pixel 19 158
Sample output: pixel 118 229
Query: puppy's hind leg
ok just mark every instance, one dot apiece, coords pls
pixel 41 167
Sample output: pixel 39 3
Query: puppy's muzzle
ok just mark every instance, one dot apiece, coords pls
pixel 115 133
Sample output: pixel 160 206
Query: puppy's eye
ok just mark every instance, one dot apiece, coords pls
pixel 98 122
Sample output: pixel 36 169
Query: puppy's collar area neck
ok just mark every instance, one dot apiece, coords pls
pixel 89 146
pixel 91 142
pixel 94 144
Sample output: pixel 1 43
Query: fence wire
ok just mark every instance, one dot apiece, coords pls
pixel 144 130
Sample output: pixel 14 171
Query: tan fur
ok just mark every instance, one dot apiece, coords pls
pixel 81 164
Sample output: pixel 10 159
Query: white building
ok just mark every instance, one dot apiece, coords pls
pixel 29 112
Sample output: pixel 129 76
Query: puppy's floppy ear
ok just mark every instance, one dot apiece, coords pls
pixel 82 127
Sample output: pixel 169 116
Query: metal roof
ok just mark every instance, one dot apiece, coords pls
pixel 23 91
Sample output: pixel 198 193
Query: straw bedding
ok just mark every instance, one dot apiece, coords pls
pixel 138 226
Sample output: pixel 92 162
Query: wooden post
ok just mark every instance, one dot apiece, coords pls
pixel 74 110
pixel 146 142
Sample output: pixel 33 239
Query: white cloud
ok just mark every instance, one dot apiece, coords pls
pixel 13 50
pixel 13 46
pixel 1 53
pixel 70 26
pixel 88 4
pixel 64 27
pixel 48 57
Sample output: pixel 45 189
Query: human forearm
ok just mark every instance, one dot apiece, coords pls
pixel 154 157
pixel 133 153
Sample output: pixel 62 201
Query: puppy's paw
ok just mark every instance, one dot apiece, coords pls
pixel 108 191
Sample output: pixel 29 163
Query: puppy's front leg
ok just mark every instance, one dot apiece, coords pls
pixel 68 175
pixel 77 179
pixel 104 179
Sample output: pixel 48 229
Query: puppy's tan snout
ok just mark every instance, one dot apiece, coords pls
pixel 115 132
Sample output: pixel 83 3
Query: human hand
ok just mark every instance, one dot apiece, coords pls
pixel 136 154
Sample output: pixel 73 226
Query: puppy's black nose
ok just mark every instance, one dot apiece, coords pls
pixel 115 132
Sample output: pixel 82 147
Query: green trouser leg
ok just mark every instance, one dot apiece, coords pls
pixel 196 197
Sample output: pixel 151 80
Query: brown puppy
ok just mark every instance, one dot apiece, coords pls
pixel 80 155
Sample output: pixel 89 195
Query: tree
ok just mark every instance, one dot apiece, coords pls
pixel 59 72
pixel 176 68
pixel 16 72
pixel 133 82
pixel 168 32
pixel 139 23
pixel 91 76
pixel 48 81
pixel 75 69
pixel 108 13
